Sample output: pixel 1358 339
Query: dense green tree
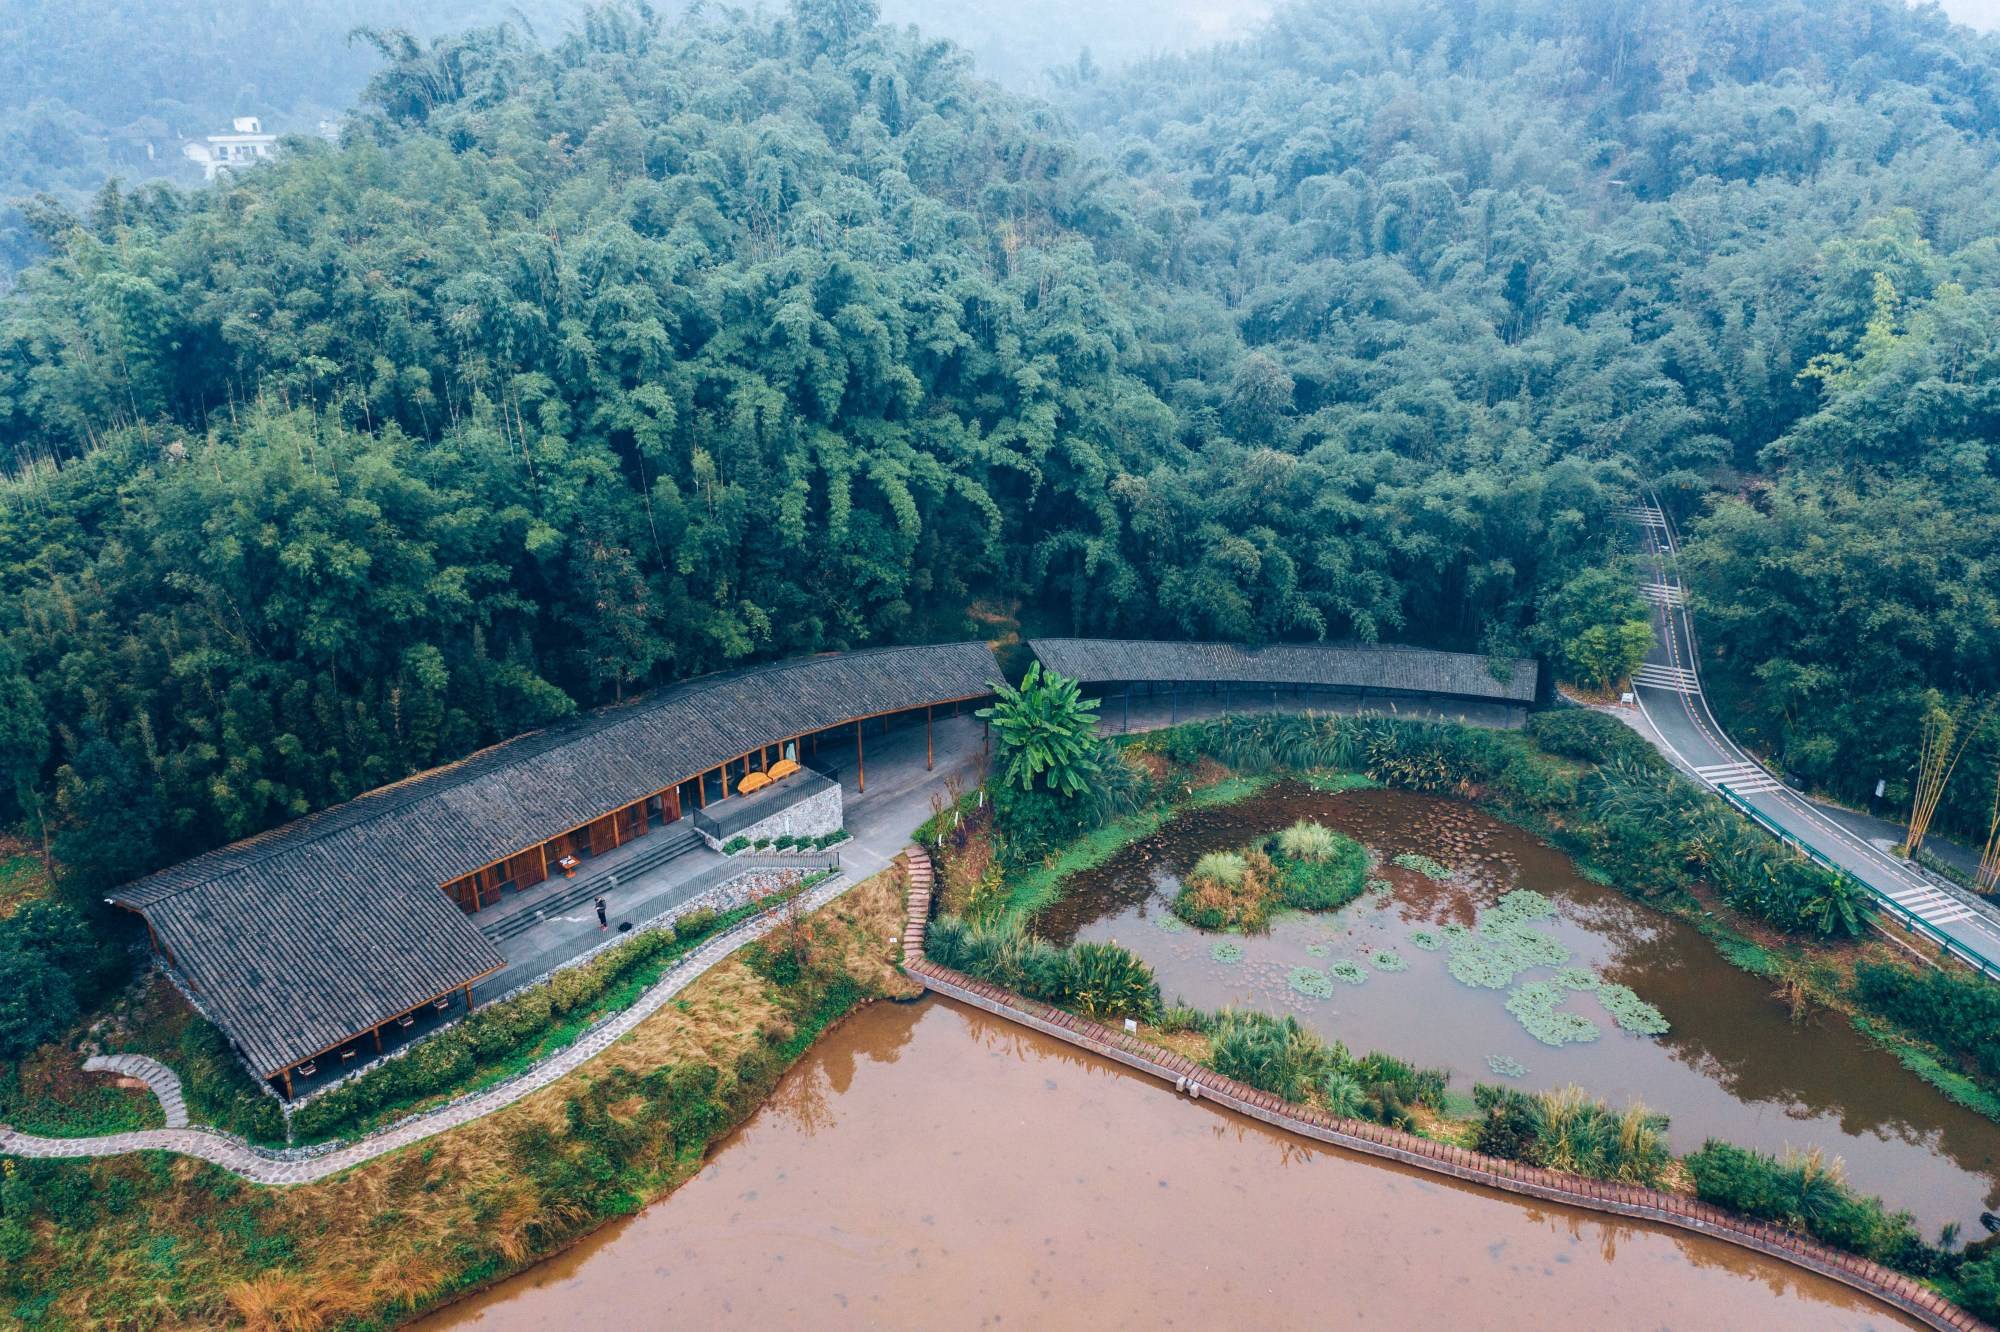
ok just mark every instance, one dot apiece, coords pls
pixel 1596 626
pixel 597 357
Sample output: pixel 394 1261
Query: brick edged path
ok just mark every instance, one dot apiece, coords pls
pixel 165 1083
pixel 305 1165
pixel 1892 1288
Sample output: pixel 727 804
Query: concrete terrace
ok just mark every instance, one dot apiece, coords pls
pixel 555 922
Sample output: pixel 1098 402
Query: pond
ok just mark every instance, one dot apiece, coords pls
pixel 928 1166
pixel 1734 1065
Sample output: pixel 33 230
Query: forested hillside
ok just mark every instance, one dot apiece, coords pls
pixel 1749 247
pixel 671 345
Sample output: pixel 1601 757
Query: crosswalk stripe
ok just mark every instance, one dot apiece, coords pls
pixel 1745 778
pixel 1663 594
pixel 1666 677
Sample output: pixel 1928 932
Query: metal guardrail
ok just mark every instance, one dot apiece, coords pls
pixel 1908 919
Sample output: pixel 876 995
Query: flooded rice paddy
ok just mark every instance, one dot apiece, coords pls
pixel 928 1166
pixel 1734 1064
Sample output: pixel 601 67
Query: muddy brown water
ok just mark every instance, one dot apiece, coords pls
pixel 927 1166
pixel 1735 1065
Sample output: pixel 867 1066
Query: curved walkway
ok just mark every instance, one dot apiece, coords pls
pixel 1671 1209
pixel 305 1165
pixel 164 1082
pixel 1667 687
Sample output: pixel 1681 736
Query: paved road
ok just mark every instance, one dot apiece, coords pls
pixel 1668 688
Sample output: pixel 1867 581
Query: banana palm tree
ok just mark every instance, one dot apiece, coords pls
pixel 1045 730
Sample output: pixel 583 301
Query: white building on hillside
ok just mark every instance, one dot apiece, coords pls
pixel 245 143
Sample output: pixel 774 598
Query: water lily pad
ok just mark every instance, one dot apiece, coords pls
pixel 1426 940
pixel 1227 952
pixel 1387 959
pixel 1577 978
pixel 1312 982
pixel 1169 923
pixel 1348 972
pixel 1317 950
pixel 1506 1066
pixel 1534 1005
pixel 1423 865
pixel 1632 1013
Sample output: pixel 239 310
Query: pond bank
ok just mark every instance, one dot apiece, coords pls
pixel 1892 1288
pixel 918 1144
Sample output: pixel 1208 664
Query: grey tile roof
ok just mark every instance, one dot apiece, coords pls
pixel 1344 665
pixel 297 938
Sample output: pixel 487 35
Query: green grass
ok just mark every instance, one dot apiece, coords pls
pixel 75 1104
pixel 22 879
pixel 1039 888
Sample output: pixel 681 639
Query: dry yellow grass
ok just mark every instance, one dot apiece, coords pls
pixel 385 1238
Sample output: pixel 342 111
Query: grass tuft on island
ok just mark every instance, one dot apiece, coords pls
pixel 1307 867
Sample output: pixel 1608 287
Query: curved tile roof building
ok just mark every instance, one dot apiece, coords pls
pixel 1323 665
pixel 300 939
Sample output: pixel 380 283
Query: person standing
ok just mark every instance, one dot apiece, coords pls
pixel 603 915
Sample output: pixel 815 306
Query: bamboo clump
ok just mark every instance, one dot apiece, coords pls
pixel 1946 736
pixel 1988 877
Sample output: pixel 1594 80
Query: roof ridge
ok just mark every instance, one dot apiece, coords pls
pixel 390 797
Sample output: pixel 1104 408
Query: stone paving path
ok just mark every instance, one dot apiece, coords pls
pixel 305 1165
pixel 1203 1084
pixel 166 1084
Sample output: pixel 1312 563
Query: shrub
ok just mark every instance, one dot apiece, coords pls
pixel 1958 1013
pixel 735 845
pixel 50 967
pixel 572 989
pixel 1306 840
pixel 1806 1192
pixel 1227 890
pixel 1412 1085
pixel 761 843
pixel 1568 1130
pixel 944 942
pixel 1581 733
pixel 1222 868
pixel 783 843
pixel 1318 869
pixel 1979 1286
pixel 1274 1055
pixel 1104 980
pixel 696 923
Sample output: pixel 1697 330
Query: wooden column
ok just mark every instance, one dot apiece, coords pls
pixel 1128 706
pixel 929 753
pixel 376 1032
pixel 468 998
pixel 1175 690
pixel 286 1078
pixel 860 762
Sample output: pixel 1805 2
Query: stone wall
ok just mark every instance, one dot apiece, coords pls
pixel 815 816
